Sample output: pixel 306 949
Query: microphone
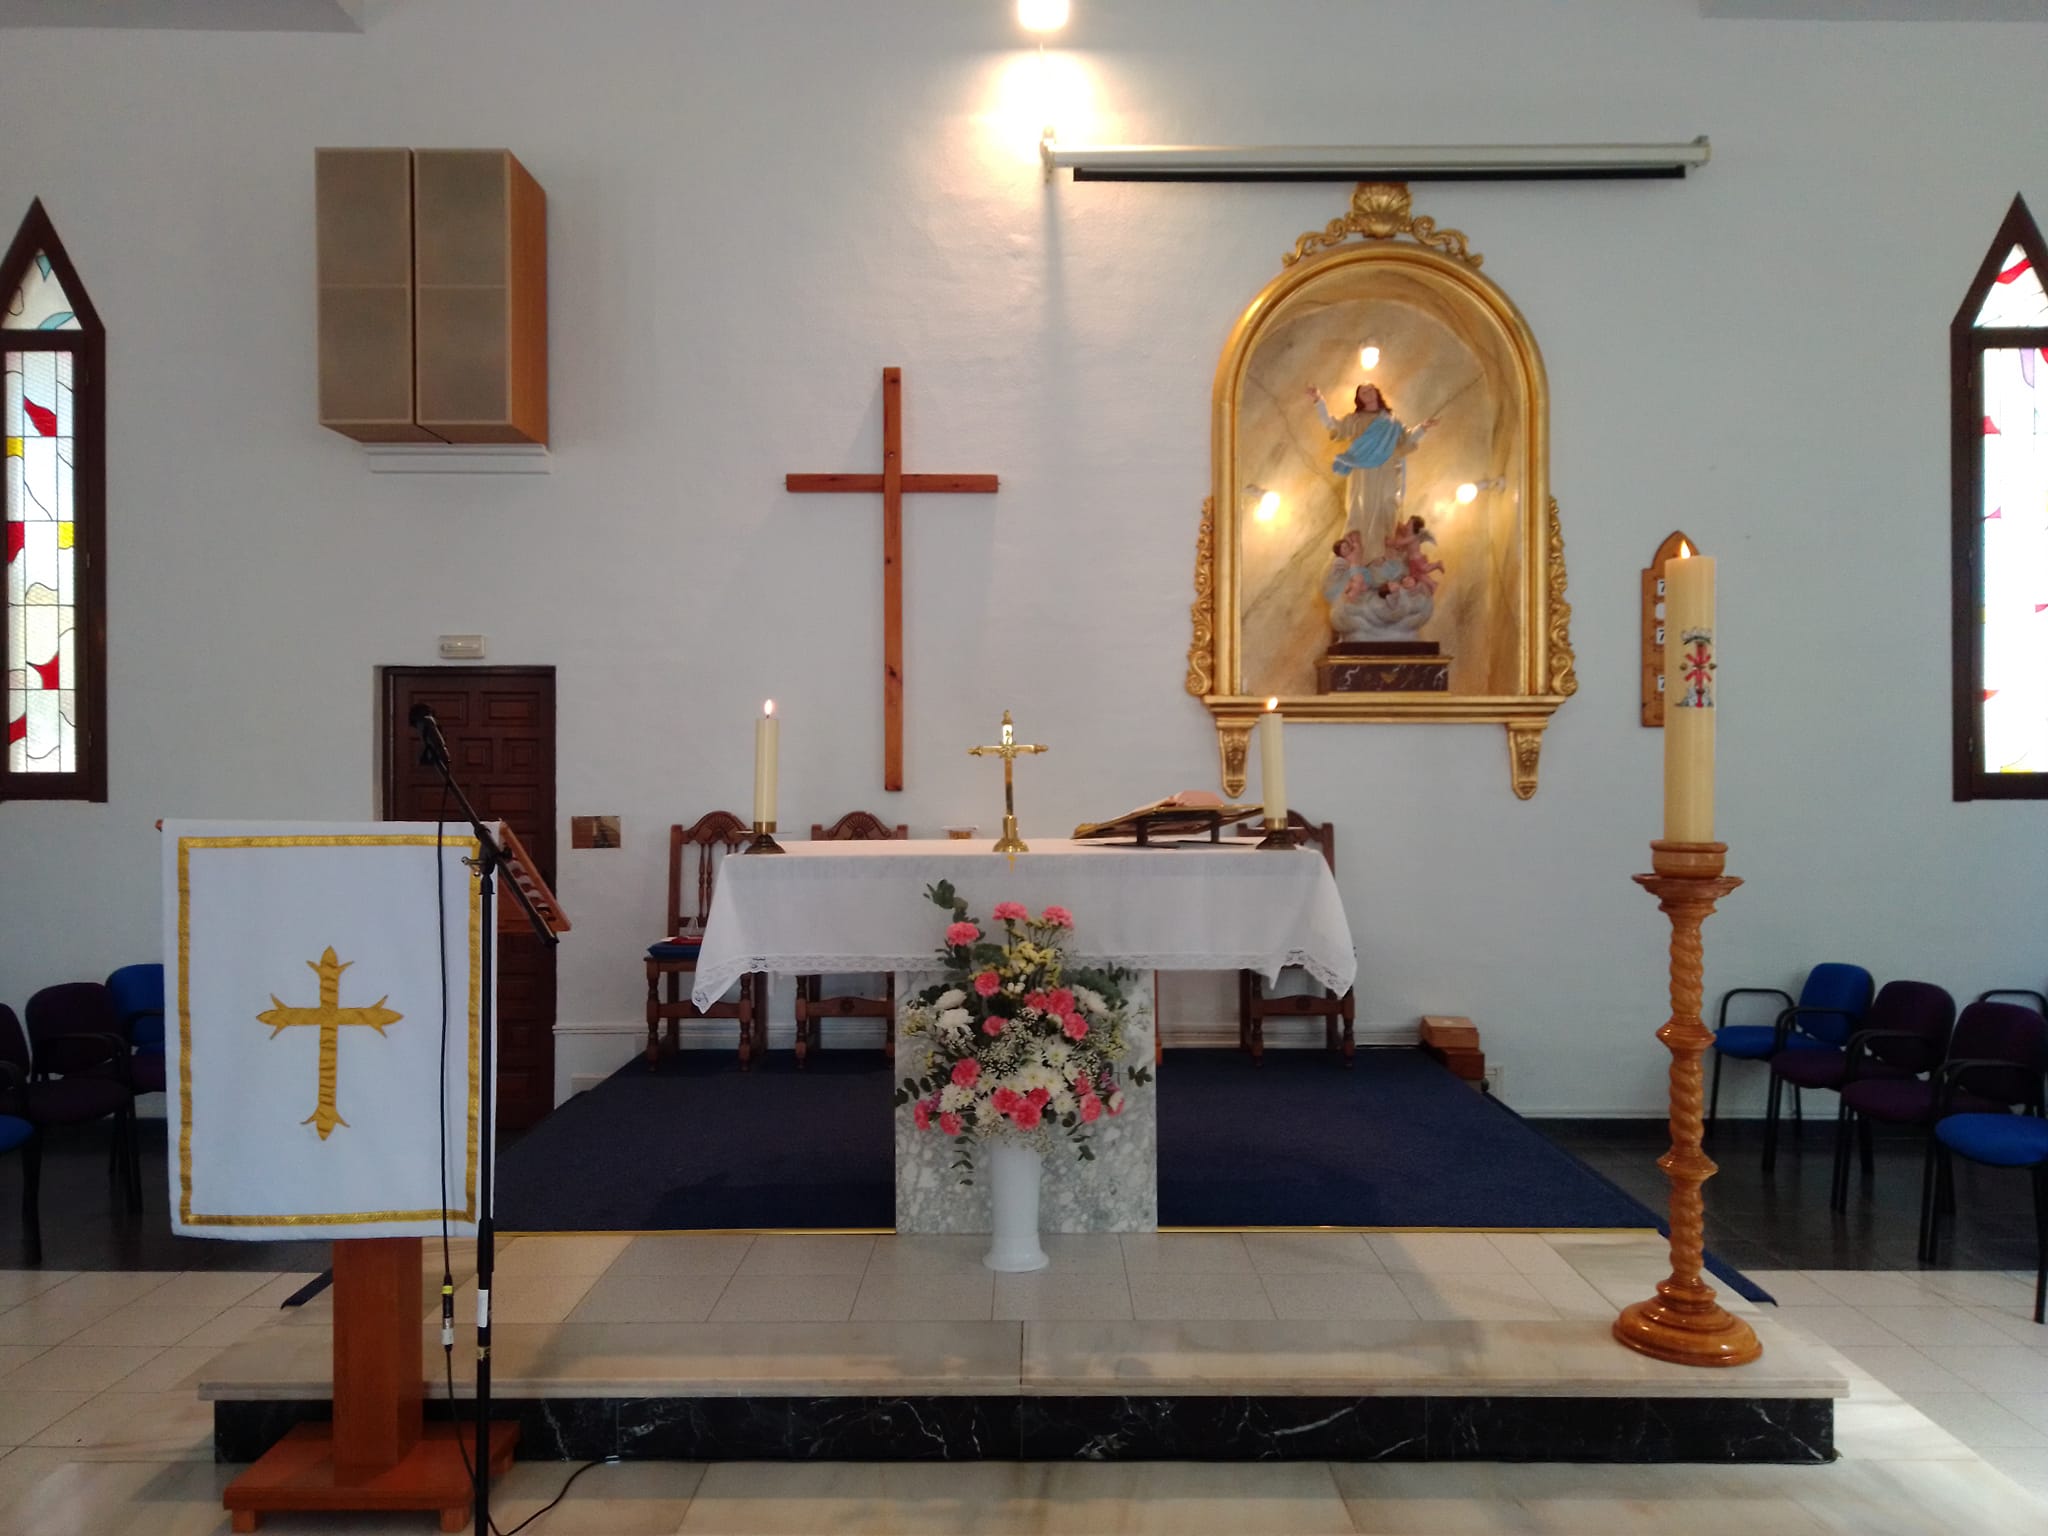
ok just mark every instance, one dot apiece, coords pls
pixel 421 718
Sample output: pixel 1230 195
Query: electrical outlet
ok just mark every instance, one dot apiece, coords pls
pixel 1494 1074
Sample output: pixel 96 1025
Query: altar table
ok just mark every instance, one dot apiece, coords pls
pixel 850 907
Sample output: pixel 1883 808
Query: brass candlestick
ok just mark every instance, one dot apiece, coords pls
pixel 1279 834
pixel 764 839
pixel 1683 1323
pixel 1009 749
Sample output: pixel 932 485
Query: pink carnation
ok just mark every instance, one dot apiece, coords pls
pixel 1091 1109
pixel 962 933
pixel 1060 1001
pixel 1005 1100
pixel 1027 1116
pixel 1038 1096
pixel 992 1026
pixel 1074 1027
pixel 1010 912
pixel 950 1123
pixel 987 984
pixel 1039 1001
pixel 921 1112
pixel 1058 917
pixel 966 1072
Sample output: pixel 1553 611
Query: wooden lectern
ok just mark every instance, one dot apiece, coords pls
pixel 378 1454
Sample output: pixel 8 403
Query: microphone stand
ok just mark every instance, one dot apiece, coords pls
pixel 491 857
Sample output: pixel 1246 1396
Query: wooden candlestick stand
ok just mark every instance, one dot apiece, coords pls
pixel 1683 1323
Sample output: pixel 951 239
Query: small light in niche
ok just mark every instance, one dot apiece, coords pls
pixel 1269 507
pixel 1468 492
pixel 1042 15
pixel 1368 357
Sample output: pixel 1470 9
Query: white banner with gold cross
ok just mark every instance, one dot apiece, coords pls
pixel 325 989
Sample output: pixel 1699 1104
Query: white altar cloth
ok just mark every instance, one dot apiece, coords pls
pixel 841 908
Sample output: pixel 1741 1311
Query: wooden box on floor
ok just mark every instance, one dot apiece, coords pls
pixel 1454 1042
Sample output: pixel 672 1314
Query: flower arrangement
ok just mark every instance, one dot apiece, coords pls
pixel 1018 1043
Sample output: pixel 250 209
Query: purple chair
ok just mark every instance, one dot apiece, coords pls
pixel 1887 1072
pixel 16 1132
pixel 1816 1051
pixel 79 1071
pixel 1995 1063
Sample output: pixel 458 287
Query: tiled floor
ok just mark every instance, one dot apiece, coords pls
pixel 1948 1414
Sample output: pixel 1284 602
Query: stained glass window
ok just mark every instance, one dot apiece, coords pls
pixel 2000 380
pixel 50 421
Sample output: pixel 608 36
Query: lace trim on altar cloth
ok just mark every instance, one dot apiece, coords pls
pixel 714 984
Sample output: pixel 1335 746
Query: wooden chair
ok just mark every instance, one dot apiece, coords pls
pixel 1254 1007
pixel 673 958
pixel 811 1003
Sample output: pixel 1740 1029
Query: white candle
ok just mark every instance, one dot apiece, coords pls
pixel 1691 695
pixel 767 730
pixel 1273 765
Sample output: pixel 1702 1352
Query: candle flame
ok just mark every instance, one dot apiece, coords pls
pixel 1272 705
pixel 1684 550
pixel 768 707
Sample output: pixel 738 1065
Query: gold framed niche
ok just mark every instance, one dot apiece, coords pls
pixel 1291 545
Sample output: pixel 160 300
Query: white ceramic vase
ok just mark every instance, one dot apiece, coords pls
pixel 1014 1167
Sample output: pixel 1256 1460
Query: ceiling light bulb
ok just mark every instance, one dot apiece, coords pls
pixel 1042 15
pixel 1468 492
pixel 1269 507
pixel 1368 358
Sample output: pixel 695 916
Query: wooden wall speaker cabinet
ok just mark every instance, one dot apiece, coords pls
pixel 433 296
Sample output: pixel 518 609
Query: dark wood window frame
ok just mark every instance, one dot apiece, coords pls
pixel 88 348
pixel 1968 342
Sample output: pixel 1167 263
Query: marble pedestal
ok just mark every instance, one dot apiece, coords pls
pixel 1117 1191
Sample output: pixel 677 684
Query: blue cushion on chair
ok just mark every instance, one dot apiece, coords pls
pixel 2004 1141
pixel 13 1132
pixel 675 949
pixel 1756 1042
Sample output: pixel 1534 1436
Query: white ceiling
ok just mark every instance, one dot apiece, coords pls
pixel 1877 10
pixel 189 15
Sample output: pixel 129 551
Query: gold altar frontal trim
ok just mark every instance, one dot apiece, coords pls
pixel 464 845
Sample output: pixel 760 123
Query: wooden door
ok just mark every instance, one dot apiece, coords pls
pixel 500 725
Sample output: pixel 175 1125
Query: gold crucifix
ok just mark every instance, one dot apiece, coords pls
pixel 329 1016
pixel 1009 749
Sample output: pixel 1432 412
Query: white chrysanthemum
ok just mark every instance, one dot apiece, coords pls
pixel 1063 1102
pixel 1091 1001
pixel 955 1018
pixel 952 997
pixel 1055 1054
pixel 953 1098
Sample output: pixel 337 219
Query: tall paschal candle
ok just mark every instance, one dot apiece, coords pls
pixel 766 741
pixel 1691 696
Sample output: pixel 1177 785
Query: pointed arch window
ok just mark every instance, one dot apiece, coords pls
pixel 1998 374
pixel 53 418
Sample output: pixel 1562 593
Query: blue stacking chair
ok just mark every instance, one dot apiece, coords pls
pixel 138 994
pixel 1996 1140
pixel 18 1134
pixel 1830 1005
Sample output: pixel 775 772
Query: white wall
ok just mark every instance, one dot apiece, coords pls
pixel 755 206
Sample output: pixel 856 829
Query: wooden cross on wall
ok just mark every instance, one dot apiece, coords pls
pixel 893 484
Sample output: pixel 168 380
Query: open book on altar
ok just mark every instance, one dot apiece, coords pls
pixel 1190 813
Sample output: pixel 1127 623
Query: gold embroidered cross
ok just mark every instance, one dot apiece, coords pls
pixel 329 1016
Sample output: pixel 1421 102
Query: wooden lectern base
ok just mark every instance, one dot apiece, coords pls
pixel 377 1455
pixel 298 1473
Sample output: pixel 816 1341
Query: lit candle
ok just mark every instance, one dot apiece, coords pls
pixel 766 731
pixel 1691 694
pixel 1273 765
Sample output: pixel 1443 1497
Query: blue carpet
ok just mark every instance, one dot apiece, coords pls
pixel 1300 1142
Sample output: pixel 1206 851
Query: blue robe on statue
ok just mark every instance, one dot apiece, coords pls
pixel 1372 447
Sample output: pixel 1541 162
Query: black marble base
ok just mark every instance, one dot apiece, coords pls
pixel 1012 1428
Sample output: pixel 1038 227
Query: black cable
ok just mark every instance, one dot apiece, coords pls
pixel 447 1261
